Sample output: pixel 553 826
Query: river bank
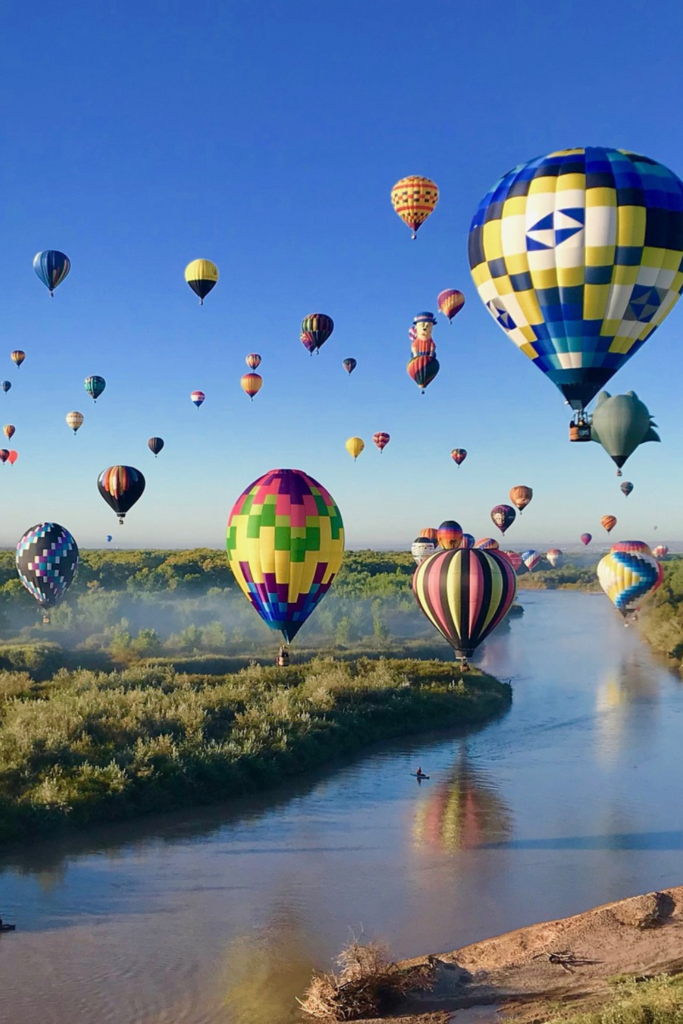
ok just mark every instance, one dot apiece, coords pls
pixel 536 973
pixel 88 747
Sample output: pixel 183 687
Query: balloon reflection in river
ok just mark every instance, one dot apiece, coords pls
pixel 627 708
pixel 463 811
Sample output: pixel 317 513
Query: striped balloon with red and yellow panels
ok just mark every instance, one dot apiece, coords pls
pixel 414 198
pixel 465 594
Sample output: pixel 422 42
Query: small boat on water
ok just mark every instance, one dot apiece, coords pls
pixel 420 776
pixel 7 927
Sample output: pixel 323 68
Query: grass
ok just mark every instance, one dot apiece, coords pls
pixel 655 1001
pixel 88 746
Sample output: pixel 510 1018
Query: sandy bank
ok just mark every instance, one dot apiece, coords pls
pixel 519 971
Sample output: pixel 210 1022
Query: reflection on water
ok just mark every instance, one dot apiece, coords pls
pixel 463 811
pixel 216 917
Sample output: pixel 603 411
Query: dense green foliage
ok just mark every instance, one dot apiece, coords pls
pixel 89 746
pixel 661 621
pixel 569 577
pixel 656 1001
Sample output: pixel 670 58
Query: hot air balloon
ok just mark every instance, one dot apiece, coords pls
pixel 155 444
pixel 661 551
pixel 121 486
pixel 355 446
pixel 74 420
pixel 422 548
pixel 251 384
pixel 6 385
pixel 18 356
pixel 503 516
pixel 349 365
pixel 555 557
pixel 609 522
pixel 12 457
pixel 521 496
pixel 197 397
pixel 586 538
pixel 202 276
pixel 423 370
pixel 487 544
pixel 109 538
pixel 514 558
pixel 626 488
pixel 285 570
pixel 315 330
pixel 51 267
pixel 381 440
pixel 450 302
pixel 414 198
pixel 94 385
pixel 421 348
pixel 47 560
pixel 629 574
pixel 549 247
pixel 253 360
pixel 620 424
pixel 420 334
pixel 9 431
pixel 4 455
pixel 430 532
pixel 531 559
pixel 467 541
pixel 449 535
pixel 465 594
pixel 458 455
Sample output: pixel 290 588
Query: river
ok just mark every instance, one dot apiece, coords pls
pixel 570 800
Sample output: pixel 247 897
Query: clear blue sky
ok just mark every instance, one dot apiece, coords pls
pixel 266 136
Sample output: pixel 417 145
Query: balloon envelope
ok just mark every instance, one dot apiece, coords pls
pixel 531 559
pixel 555 557
pixel 503 516
pixel 514 558
pixel 285 543
pixel 74 420
pixel 586 538
pixel 202 276
pixel 51 266
pixel 567 253
pixel 349 365
pixel 449 535
pixel 422 548
pixel 121 486
pixel 251 384
pixel 450 302
pixel 626 488
pixel 465 594
pixel 661 551
pixel 521 496
pixel 317 327
pixel 487 544
pixel 253 360
pixel 414 199
pixel 9 430
pixel 620 423
pixel 155 444
pixel 18 356
pixel 94 385
pixel 12 457
pixel 629 574
pixel 381 439
pixel 423 370
pixel 609 522
pixel 430 532
pixel 467 541
pixel 47 559
pixel 355 446
pixel 458 455
pixel 6 385
pixel 197 397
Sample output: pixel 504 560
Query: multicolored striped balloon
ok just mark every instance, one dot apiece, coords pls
pixel 51 266
pixel 487 544
pixel 531 559
pixel 197 398
pixel 285 543
pixel 609 522
pixel 121 486
pixel 423 370
pixel 430 532
pixel 94 386
pixel 381 439
pixel 414 198
pixel 629 574
pixel 421 548
pixel 449 535
pixel 253 360
pixel 465 594
pixel 450 302
pixel 47 559
pixel 251 384
pixel 467 540
pixel 316 329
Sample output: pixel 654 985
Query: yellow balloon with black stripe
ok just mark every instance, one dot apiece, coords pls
pixel 202 276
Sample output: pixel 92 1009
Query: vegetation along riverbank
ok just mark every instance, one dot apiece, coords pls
pixel 83 746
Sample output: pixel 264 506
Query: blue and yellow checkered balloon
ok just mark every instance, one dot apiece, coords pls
pixel 578 257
